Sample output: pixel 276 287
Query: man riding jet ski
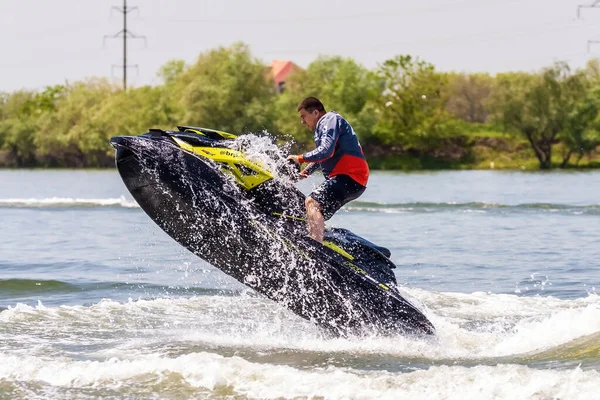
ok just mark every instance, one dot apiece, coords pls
pixel 341 159
pixel 238 214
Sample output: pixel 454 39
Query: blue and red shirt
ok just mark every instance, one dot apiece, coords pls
pixel 338 150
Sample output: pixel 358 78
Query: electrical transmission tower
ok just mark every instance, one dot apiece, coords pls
pixel 595 4
pixel 126 34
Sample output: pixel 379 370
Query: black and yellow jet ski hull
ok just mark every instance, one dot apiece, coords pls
pixel 195 189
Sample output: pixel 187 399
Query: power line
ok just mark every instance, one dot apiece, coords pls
pixel 125 34
pixel 449 6
pixel 436 42
pixel 290 20
pixel 595 4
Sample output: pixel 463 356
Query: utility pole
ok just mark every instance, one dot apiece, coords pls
pixel 595 4
pixel 126 34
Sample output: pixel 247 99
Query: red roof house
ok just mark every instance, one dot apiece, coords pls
pixel 280 70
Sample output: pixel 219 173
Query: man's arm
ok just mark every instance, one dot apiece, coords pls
pixel 329 136
pixel 310 168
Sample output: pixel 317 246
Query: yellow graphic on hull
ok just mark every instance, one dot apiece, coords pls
pixel 199 131
pixel 289 216
pixel 337 249
pixel 247 174
pixel 355 268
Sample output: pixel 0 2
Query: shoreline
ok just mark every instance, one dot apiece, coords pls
pixel 471 151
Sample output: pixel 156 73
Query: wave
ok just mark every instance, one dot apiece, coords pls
pixel 476 327
pixel 423 207
pixel 359 206
pixel 574 352
pixel 211 375
pixel 67 202
pixel 19 287
pixel 213 346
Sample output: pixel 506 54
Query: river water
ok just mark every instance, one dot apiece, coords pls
pixel 97 302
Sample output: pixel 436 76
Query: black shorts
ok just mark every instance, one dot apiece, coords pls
pixel 335 192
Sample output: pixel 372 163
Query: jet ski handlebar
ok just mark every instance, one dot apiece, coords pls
pixel 296 170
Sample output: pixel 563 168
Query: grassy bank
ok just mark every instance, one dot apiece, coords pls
pixel 480 150
pixel 474 150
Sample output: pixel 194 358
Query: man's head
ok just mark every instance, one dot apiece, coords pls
pixel 311 110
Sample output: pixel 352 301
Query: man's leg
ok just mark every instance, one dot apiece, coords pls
pixel 326 200
pixel 316 222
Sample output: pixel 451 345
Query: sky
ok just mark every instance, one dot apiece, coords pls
pixel 48 42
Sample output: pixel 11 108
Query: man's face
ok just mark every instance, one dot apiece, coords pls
pixel 309 119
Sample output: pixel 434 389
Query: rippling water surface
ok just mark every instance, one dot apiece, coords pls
pixel 97 302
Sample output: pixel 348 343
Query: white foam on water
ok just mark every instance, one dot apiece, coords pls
pixel 474 326
pixel 481 325
pixel 68 202
pixel 211 372
pixel 174 340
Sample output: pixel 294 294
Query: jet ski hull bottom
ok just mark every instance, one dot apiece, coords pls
pixel 203 210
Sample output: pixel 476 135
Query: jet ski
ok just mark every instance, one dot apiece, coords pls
pixel 246 217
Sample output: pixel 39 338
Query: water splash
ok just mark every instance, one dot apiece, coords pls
pixel 535 283
pixel 264 150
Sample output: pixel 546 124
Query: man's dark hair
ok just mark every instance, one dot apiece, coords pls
pixel 310 104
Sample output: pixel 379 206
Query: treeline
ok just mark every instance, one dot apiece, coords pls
pixel 402 110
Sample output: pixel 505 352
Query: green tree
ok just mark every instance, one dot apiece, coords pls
pixel 16 137
pixel 62 137
pixel 124 113
pixel 225 89
pixel 341 84
pixel 412 108
pixel 592 70
pixel 45 101
pixel 171 71
pixel 538 106
pixel 507 87
pixel 468 95
pixel 18 124
pixel 582 127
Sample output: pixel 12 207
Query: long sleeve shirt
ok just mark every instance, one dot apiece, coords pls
pixel 338 151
